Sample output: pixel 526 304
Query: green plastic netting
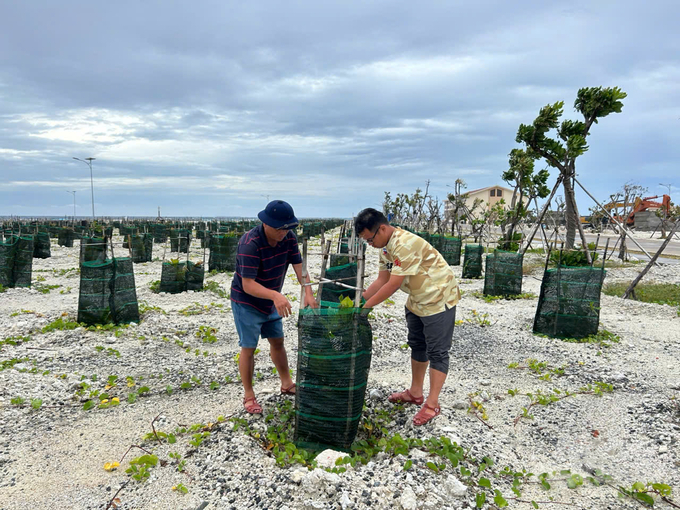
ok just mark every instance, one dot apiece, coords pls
pixel 503 274
pixel 334 358
pixel 338 259
pixel 41 246
pixel 472 263
pixel 181 276
pixel 347 274
pixel 450 250
pixel 180 240
pixel 16 261
pixel 142 248
pixel 223 253
pixel 107 292
pixel 92 249
pixel 160 234
pixel 569 304
pixel 65 237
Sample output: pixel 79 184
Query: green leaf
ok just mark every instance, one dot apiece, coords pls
pixel 534 504
pixel 499 500
pixel 36 403
pixel 571 483
pixel 433 467
pixel 485 482
pixel 408 464
pixel 172 439
pixel 644 497
pixel 88 405
pixel 132 397
pixel 480 499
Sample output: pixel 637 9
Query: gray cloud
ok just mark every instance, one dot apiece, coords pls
pixel 202 108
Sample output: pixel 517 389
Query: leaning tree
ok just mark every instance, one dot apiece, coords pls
pixel 561 152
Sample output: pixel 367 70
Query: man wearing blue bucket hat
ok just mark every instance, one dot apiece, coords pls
pixel 262 260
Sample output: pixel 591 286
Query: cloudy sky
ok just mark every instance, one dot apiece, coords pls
pixel 207 108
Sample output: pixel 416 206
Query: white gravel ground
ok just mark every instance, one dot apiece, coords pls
pixel 54 457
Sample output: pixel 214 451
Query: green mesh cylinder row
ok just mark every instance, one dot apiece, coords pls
pixel 347 274
pixel 344 245
pixel 107 292
pixel 41 246
pixel 334 358
pixel 472 263
pixel 503 274
pixel 425 235
pixel 569 304
pixel 65 237
pixel 437 242
pixel 223 253
pixel 92 249
pixel 179 277
pixel 450 250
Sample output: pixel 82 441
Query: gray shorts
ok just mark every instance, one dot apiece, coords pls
pixel 430 337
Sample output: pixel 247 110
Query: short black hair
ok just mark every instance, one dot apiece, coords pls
pixel 369 219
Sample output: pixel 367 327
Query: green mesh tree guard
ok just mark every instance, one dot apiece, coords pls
pixel 92 249
pixel 16 261
pixel 223 250
pixel 472 263
pixel 65 237
pixel 179 277
pixel 450 250
pixel 107 292
pixel 344 245
pixel 180 240
pixel 160 234
pixel 41 246
pixel 503 274
pixel 338 259
pixel 569 304
pixel 142 248
pixel 347 274
pixel 334 358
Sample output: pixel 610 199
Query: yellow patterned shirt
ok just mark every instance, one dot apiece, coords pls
pixel 429 280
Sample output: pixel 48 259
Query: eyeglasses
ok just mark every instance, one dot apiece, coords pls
pixel 370 240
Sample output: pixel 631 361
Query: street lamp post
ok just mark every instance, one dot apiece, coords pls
pixel 74 206
pixel 88 162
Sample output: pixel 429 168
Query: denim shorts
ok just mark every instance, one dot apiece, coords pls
pixel 251 324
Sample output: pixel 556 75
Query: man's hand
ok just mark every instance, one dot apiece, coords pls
pixel 282 305
pixel 309 300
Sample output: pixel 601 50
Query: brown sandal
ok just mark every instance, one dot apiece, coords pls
pixel 290 390
pixel 405 397
pixel 421 417
pixel 251 405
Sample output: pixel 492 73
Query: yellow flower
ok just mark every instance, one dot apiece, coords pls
pixel 108 387
pixel 115 399
pixel 104 401
pixel 174 487
pixel 111 466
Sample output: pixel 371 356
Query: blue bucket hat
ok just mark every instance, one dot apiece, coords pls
pixel 278 214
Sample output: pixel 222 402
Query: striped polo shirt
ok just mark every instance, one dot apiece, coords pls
pixel 267 265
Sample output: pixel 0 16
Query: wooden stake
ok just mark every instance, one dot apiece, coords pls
pixel 304 273
pixel 325 257
pixel 361 259
pixel 639 277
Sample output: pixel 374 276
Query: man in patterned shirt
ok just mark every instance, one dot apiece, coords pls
pixel 410 263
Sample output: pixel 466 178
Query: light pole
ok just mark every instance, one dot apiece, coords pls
pixel 74 206
pixel 88 162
